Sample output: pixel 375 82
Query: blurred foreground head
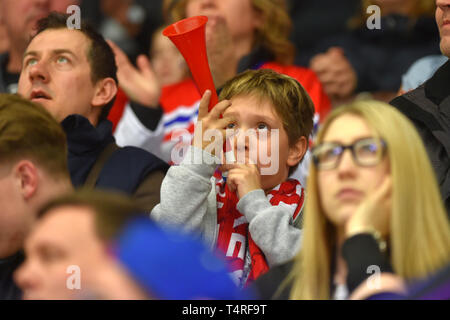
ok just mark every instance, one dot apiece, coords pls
pixel 97 245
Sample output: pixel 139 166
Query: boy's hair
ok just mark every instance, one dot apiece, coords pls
pixel 292 103
pixel 28 131
pixel 100 55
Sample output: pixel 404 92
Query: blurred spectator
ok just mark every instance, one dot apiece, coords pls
pixel 118 254
pixel 33 169
pixel 167 62
pixel 325 17
pixel 62 5
pixel 358 219
pixel 257 38
pixel 74 231
pixel 4 42
pixel 19 19
pixel 143 83
pixel 129 23
pixel 373 60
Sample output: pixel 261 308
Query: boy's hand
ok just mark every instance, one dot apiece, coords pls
pixel 210 124
pixel 242 177
pixel 373 212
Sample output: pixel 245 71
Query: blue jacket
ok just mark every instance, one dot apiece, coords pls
pixel 130 170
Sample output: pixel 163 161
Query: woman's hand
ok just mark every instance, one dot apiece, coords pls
pixel 374 212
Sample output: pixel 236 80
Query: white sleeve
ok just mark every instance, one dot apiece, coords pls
pixel 131 132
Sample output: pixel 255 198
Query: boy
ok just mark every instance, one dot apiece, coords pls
pixel 251 217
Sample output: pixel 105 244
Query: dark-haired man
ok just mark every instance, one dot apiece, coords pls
pixel 72 73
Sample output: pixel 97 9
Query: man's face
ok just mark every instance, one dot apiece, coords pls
pixel 56 74
pixel 20 17
pixel 64 237
pixel 443 22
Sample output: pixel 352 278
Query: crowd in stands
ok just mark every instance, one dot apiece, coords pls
pixel 323 172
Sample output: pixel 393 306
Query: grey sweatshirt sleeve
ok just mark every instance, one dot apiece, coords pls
pixel 185 190
pixel 270 227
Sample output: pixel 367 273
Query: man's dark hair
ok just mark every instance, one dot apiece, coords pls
pixel 100 55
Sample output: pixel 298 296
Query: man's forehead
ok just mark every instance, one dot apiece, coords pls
pixel 67 218
pixel 59 39
pixel 63 225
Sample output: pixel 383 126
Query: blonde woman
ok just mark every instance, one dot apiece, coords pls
pixel 373 206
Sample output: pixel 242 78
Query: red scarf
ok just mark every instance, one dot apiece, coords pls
pixel 233 226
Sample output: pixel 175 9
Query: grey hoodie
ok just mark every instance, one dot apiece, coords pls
pixel 188 200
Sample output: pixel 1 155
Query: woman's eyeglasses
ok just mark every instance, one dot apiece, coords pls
pixel 366 152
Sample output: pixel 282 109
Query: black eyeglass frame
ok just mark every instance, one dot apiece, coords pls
pixel 351 147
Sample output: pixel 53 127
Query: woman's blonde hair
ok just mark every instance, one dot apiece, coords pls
pixel 420 8
pixel 272 36
pixel 419 237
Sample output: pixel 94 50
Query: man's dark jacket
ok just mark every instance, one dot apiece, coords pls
pixel 95 161
pixel 428 107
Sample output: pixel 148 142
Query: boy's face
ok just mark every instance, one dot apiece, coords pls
pixel 259 138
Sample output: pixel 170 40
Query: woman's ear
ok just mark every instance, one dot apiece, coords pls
pixel 297 151
pixel 105 91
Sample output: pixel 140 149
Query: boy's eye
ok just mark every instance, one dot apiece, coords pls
pixel 262 126
pixel 231 126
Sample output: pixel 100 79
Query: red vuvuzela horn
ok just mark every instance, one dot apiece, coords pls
pixel 188 35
